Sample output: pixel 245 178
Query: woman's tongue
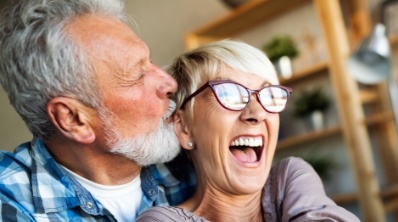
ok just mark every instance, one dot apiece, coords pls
pixel 246 155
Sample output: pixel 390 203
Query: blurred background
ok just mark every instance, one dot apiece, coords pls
pixel 344 127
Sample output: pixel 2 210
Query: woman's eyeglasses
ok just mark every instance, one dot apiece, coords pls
pixel 234 96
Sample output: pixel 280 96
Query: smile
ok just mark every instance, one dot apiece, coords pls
pixel 247 149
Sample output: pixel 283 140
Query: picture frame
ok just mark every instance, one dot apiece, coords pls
pixel 389 16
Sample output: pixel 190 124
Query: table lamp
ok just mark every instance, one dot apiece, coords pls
pixel 371 64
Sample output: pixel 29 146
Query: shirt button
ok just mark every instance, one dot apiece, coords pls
pixel 89 205
pixel 151 192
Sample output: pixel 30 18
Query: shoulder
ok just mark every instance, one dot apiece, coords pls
pixel 167 213
pixel 291 163
pixel 15 167
pixel 295 174
pixel 300 195
pixel 15 185
pixel 292 166
pixel 281 180
pixel 177 179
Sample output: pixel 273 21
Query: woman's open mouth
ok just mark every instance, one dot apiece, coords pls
pixel 247 149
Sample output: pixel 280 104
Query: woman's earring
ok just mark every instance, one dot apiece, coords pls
pixel 190 144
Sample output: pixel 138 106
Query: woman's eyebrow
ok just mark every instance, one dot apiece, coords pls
pixel 266 83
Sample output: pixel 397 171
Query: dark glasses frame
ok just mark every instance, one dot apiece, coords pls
pixel 212 83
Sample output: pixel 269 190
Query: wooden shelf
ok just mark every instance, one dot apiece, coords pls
pixel 379 118
pixel 317 135
pixel 369 96
pixel 391 206
pixel 344 198
pixel 389 194
pixel 306 138
pixel 389 191
pixel 307 72
pixel 241 19
pixel 248 16
pixel 393 40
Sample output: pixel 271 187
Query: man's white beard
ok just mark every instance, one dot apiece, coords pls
pixel 158 146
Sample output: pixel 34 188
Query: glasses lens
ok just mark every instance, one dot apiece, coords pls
pixel 273 98
pixel 231 96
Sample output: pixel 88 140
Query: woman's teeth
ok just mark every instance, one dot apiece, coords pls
pixel 252 142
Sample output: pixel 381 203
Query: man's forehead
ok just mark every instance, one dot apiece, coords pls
pixel 103 36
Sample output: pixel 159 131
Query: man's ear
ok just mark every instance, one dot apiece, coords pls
pixel 71 118
pixel 181 129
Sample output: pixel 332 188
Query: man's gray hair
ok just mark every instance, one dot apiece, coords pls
pixel 39 61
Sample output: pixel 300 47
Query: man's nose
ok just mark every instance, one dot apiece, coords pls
pixel 168 85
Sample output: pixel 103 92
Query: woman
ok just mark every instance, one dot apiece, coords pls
pixel 227 121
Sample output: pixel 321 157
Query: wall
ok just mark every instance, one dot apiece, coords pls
pixel 162 24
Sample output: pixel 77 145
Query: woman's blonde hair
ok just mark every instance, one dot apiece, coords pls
pixel 194 68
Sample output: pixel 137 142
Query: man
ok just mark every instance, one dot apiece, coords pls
pixel 98 110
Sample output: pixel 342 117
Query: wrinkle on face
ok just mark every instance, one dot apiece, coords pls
pixel 213 129
pixel 124 75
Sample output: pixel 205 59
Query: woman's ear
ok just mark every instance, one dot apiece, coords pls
pixel 71 118
pixel 182 130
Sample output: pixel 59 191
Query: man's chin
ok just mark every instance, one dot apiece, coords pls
pixel 163 159
pixel 159 146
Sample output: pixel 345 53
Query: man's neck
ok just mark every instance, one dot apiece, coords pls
pixel 93 163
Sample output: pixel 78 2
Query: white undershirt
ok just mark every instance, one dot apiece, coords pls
pixel 123 201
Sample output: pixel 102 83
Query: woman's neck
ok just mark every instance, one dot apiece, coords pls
pixel 218 206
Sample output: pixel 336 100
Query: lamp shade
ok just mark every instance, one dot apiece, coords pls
pixel 371 63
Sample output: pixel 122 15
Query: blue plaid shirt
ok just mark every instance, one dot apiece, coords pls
pixel 33 187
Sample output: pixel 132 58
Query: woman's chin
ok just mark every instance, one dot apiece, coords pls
pixel 247 177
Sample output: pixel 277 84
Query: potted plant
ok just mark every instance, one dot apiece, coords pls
pixel 311 104
pixel 323 165
pixel 234 3
pixel 280 50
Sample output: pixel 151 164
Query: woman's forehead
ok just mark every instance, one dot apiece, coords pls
pixel 232 74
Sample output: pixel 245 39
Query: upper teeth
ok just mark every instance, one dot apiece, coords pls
pixel 247 142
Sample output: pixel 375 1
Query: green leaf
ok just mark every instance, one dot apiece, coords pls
pixel 282 45
pixel 309 101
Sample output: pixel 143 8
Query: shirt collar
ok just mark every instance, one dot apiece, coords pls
pixel 163 176
pixel 53 188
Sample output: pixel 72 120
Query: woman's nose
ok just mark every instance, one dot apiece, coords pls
pixel 254 113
